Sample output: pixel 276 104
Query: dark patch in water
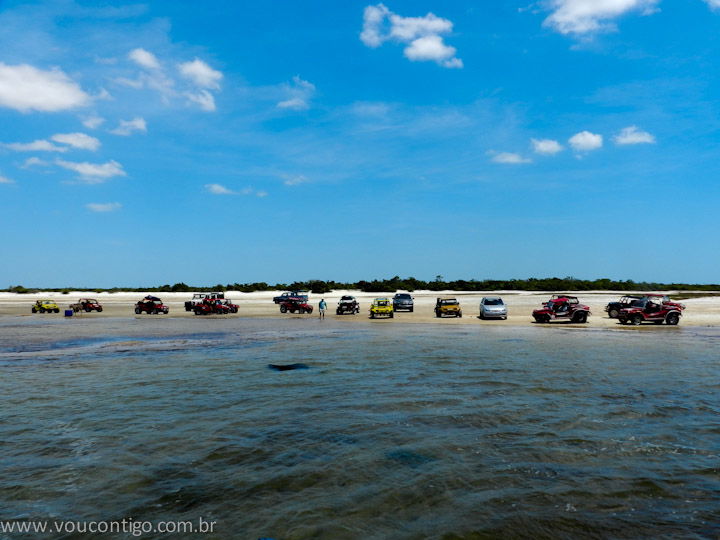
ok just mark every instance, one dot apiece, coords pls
pixel 287 367
pixel 409 458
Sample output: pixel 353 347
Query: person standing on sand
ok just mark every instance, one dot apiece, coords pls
pixel 322 307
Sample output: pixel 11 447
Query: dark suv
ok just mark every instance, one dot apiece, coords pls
pixel 403 301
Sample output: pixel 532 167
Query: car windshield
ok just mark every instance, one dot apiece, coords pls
pixel 349 298
pixel 448 301
pixel 403 297
pixel 493 301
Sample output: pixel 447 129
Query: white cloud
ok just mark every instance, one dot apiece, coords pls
pixel 203 98
pixel 587 16
pixel 6 180
pixel 201 74
pixel 509 158
pixel 299 93
pixel 77 140
pixel 634 135
pixel 144 58
pixel 421 34
pixel 297 104
pixel 34 161
pixel 93 122
pixel 36 146
pixel 547 147
pixel 219 189
pixel 433 48
pixel 103 207
pixel 93 173
pixel 585 141
pixel 127 127
pixel 26 88
pixel 295 180
pixel 714 4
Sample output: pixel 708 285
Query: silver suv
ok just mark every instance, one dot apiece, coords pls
pixel 403 302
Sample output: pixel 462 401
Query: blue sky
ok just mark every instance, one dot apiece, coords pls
pixel 143 144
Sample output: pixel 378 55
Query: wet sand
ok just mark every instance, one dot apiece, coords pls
pixel 700 311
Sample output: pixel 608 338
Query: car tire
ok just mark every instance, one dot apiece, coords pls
pixel 672 319
pixel 283 309
pixel 613 313
pixel 99 310
pixel 392 315
pixel 57 310
pixel 137 311
pixel 87 310
pixel 34 310
pixel 636 319
pixel 155 312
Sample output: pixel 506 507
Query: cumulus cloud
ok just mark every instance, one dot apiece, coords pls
pixel 634 135
pixel 128 127
pixel 588 16
pixel 299 94
pixel 714 4
pixel 508 158
pixel 585 141
pixel 77 140
pixel 201 74
pixel 422 35
pixel 26 88
pixel 547 147
pixel 103 207
pixel 5 180
pixel 40 145
pixel 93 173
pixel 93 122
pixel 144 58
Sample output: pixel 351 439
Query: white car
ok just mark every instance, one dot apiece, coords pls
pixel 493 307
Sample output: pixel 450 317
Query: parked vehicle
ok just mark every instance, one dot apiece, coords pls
pixel 629 300
pixel 199 297
pixel 562 307
pixel 403 302
pixel 211 306
pixel 234 308
pixel 654 308
pixel 87 305
pixel 151 304
pixel 45 306
pixel 493 307
pixel 381 307
pixel 447 306
pixel 294 306
pixel 292 296
pixel 347 304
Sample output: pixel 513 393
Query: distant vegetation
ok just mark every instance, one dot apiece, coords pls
pixel 396 283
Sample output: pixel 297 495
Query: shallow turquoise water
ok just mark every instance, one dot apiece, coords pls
pixel 394 431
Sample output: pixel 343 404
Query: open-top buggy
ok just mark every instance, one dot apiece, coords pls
pixel 87 305
pixel 447 307
pixel 656 308
pixel 198 298
pixel 45 306
pixel 210 306
pixel 151 305
pixel 629 300
pixel 562 307
pixel 381 307
pixel 295 306
pixel 347 304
